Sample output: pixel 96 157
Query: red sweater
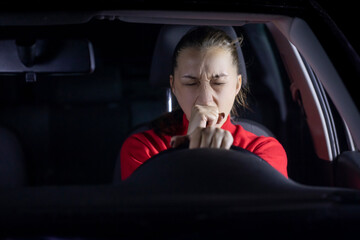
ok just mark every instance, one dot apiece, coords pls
pixel 140 147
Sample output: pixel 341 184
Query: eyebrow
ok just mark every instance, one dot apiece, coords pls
pixel 189 76
pixel 220 74
pixel 193 77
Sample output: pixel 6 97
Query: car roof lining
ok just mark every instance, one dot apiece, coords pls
pixel 136 16
pixel 189 17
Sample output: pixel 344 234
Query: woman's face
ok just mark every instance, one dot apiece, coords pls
pixel 205 77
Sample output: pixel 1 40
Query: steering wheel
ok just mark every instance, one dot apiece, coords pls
pixel 207 170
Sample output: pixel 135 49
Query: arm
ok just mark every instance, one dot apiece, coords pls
pixel 272 151
pixel 138 148
pixel 133 154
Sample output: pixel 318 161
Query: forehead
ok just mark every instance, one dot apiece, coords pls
pixel 210 57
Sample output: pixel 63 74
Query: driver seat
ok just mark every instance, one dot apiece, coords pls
pixel 161 68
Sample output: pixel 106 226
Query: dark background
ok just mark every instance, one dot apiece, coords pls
pixel 346 16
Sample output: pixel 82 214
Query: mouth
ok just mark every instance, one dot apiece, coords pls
pixel 220 118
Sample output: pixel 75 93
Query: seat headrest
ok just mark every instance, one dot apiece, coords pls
pixel 167 40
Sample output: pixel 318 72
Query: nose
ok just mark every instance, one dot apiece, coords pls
pixel 205 96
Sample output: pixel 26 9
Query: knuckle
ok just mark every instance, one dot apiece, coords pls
pixel 228 134
pixel 199 129
pixel 207 130
pixel 228 138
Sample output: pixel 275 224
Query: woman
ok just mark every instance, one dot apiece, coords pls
pixel 207 84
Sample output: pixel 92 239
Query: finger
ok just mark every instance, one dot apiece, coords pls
pixel 227 140
pixel 202 116
pixel 197 119
pixel 217 118
pixel 194 138
pixel 211 114
pixel 217 139
pixel 207 135
pixel 203 122
pixel 212 119
pixel 178 141
pixel 210 122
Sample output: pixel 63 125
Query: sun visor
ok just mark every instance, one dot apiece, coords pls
pixel 46 56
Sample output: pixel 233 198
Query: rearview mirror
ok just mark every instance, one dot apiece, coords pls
pixel 49 56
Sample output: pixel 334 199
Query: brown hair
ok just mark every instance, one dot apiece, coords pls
pixel 206 37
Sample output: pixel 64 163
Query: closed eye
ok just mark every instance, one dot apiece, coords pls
pixel 189 80
pixel 219 79
pixel 219 76
pixel 189 77
pixel 218 83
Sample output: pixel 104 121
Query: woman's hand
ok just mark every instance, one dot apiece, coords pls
pixel 210 137
pixel 203 132
pixel 204 116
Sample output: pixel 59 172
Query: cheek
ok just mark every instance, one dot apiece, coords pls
pixel 185 98
pixel 226 98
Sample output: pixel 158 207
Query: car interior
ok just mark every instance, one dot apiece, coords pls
pixel 72 91
pixel 70 123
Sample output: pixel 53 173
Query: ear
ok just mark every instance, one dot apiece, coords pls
pixel 238 83
pixel 172 85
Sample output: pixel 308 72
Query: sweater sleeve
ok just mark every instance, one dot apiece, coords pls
pixel 138 148
pixel 272 151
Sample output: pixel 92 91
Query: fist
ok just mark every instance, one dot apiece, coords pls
pixel 204 116
pixel 210 137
